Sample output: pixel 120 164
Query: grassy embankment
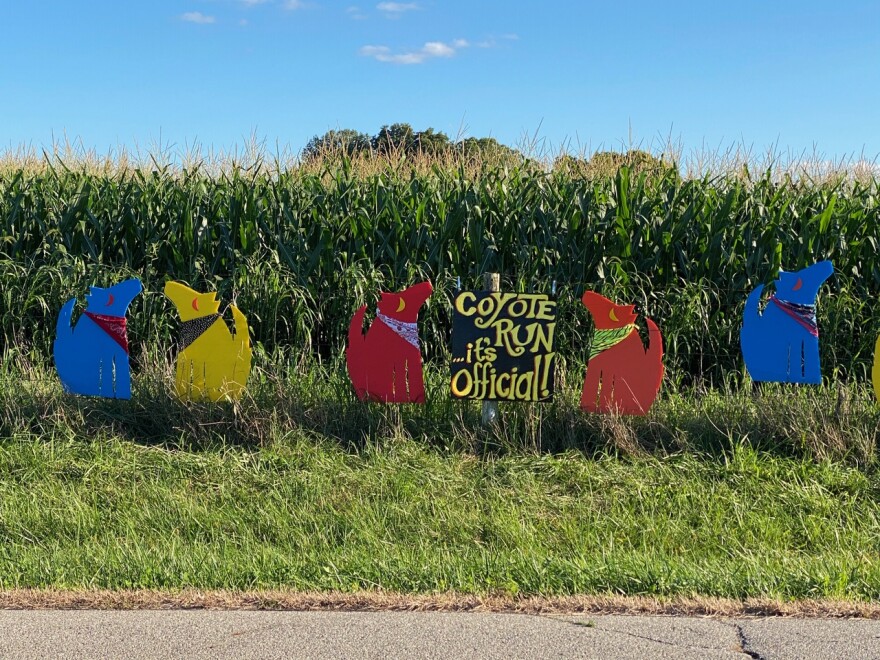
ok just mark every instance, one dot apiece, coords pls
pixel 720 491
pixel 766 494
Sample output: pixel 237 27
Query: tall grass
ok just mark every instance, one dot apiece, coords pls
pixel 303 488
pixel 299 248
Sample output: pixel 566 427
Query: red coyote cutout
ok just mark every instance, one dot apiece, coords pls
pixel 386 364
pixel 623 376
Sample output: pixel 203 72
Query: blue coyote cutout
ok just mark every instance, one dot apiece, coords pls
pixel 782 344
pixel 92 357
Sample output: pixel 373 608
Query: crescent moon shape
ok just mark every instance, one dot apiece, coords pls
pixel 195 304
pixel 798 285
pixel 401 305
pixel 110 299
pixel 612 316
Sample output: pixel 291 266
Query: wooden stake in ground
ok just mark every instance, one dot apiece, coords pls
pixel 491 282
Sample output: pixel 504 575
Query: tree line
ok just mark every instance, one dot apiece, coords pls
pixel 400 139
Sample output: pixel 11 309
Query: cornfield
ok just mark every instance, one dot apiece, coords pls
pixel 300 248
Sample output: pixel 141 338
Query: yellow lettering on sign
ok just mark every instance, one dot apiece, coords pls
pixel 469 382
pixel 518 308
pixel 503 392
pixel 524 386
pixel 506 332
pixel 546 310
pixel 544 337
pixel 460 301
pixel 491 307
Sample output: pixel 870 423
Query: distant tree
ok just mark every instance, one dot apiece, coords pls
pixel 345 141
pixel 607 163
pixel 487 148
pixel 394 138
pixel 431 142
pixel 401 138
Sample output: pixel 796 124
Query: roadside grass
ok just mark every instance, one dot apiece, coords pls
pixel 740 494
pixel 447 601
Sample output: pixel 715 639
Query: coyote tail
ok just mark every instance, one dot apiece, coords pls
pixel 355 353
pixel 242 336
pixel 64 329
pixel 751 310
pixel 655 344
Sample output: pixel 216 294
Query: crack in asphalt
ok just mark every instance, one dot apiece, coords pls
pixel 660 641
pixel 648 638
pixel 744 644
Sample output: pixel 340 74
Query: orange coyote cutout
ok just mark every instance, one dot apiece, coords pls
pixel 623 376
pixel 386 364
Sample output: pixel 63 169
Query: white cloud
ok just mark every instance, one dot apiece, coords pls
pixel 197 17
pixel 429 50
pixel 293 5
pixel 438 49
pixel 396 8
pixel 381 53
pixel 252 3
pixel 354 12
pixel 492 42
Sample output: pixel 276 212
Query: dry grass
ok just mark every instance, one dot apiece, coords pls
pixel 258 155
pixel 375 601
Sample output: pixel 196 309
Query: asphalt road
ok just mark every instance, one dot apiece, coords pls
pixel 249 634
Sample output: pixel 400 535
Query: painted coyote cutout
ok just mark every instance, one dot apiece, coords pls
pixel 92 356
pixel 782 344
pixel 386 364
pixel 212 363
pixel 623 376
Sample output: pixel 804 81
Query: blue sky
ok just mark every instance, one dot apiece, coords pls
pixel 803 76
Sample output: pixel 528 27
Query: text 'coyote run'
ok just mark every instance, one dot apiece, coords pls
pixel 503 346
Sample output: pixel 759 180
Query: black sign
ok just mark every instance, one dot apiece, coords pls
pixel 503 346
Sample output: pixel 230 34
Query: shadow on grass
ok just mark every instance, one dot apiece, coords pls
pixel 831 422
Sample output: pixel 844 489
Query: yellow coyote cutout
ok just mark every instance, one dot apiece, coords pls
pixel 212 363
